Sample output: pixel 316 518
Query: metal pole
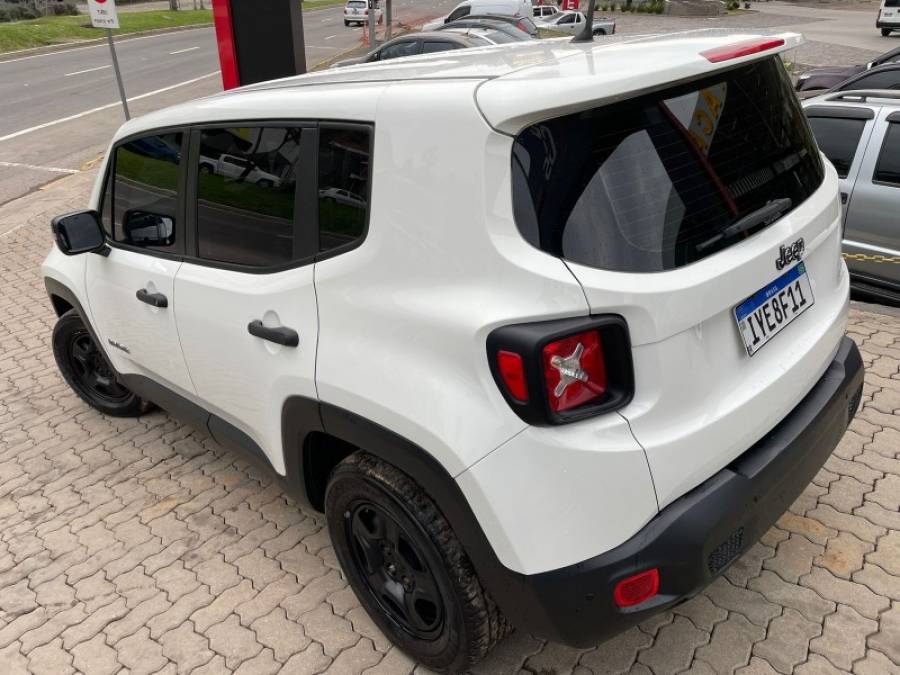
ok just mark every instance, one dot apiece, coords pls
pixel 112 50
pixel 387 20
pixel 372 6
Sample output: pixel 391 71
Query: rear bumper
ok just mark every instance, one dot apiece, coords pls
pixel 694 539
pixel 892 23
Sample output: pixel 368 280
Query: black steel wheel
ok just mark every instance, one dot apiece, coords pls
pixel 85 368
pixel 407 567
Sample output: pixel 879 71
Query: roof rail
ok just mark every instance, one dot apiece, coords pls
pixel 863 95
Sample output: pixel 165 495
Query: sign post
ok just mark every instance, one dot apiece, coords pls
pixel 103 15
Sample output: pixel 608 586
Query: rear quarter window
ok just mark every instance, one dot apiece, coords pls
pixel 653 183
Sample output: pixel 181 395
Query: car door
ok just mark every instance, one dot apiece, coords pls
pixel 247 304
pixel 131 290
pixel 842 133
pixel 872 234
pixel 566 23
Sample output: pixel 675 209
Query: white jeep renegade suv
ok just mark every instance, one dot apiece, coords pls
pixel 577 344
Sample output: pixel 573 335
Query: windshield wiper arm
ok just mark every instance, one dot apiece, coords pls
pixel 762 216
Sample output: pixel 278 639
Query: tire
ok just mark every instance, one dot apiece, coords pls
pixel 206 169
pixel 346 23
pixel 885 32
pixel 599 32
pixel 87 371
pixel 410 557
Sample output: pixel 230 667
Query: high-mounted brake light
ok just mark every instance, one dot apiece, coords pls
pixel 739 49
pixel 574 370
pixel 512 370
pixel 636 589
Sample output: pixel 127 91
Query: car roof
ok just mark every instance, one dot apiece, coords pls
pixel 515 82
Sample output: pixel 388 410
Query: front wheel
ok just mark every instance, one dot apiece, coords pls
pixel 885 32
pixel 87 371
pixel 407 567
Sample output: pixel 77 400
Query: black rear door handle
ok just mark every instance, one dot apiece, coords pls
pixel 844 197
pixel 281 335
pixel 155 299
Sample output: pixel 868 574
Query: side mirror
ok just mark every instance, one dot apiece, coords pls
pixel 143 228
pixel 79 232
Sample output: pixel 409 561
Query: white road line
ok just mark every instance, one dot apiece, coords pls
pixel 87 70
pixel 330 36
pixel 182 51
pixel 119 40
pixel 35 167
pixel 85 113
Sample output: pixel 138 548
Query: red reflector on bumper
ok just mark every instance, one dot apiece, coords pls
pixel 637 588
pixel 739 49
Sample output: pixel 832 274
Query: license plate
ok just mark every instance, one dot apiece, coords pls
pixel 765 313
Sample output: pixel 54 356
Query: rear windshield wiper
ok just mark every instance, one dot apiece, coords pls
pixel 764 215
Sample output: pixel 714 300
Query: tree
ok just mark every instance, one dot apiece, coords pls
pixel 173 5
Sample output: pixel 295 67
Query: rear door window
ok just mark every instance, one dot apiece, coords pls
pixel 888 168
pixel 432 47
pixel 886 79
pixel 666 179
pixel 246 196
pixel 838 139
pixel 404 48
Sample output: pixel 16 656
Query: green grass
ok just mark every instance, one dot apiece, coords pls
pixel 53 30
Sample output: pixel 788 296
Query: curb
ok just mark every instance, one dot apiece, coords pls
pixel 50 49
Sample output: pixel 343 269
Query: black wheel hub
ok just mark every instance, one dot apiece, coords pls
pixel 395 571
pixel 92 371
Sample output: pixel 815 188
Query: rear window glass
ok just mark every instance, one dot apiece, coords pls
pixel 663 180
pixel 359 4
pixel 838 139
pixel 892 3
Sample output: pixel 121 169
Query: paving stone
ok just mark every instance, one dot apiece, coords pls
pixel 17 599
pixel 232 641
pixel 844 555
pixel 285 638
pixel 343 601
pixel 261 664
pixel 222 606
pixel 552 658
pixel 793 558
pixel 878 515
pixel 744 601
pixel 310 661
pixel 731 644
pixel 879 581
pixel 94 623
pixel 175 580
pixel 812 529
pixel 787 642
pixel 94 657
pixel 875 663
pixel 184 647
pixel 887 639
pixel 140 654
pixel 50 659
pixel 137 617
pixel 702 612
pixel 887 553
pixel 617 655
pixel 395 662
pixel 261 570
pixel 178 613
pixel 818 665
pixel 843 639
pixel 845 592
pixel 12 659
pixel 652 625
pixel 846 522
pixel 95 592
pixel 845 494
pixel 358 658
pixel 52 628
pixel 749 565
pixel 333 632
pixel 674 646
pixel 217 574
pixel 312 595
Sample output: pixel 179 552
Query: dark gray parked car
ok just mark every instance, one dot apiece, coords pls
pixel 859 132
pixel 823 79
pixel 428 42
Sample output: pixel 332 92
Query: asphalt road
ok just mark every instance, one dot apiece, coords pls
pixel 59 110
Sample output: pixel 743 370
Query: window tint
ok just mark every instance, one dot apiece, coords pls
pixel 145 191
pixel 432 47
pixel 888 168
pixel 246 195
pixel 405 48
pixel 888 79
pixel 568 18
pixel 838 139
pixel 892 3
pixel 653 183
pixel 343 185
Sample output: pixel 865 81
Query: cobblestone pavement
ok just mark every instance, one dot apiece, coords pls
pixel 141 546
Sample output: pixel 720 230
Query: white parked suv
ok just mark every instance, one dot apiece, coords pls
pixel 577 345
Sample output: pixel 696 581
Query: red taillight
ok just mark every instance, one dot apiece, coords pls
pixel 521 27
pixel 728 52
pixel 574 371
pixel 512 370
pixel 636 589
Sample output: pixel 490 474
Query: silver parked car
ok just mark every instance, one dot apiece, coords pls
pixel 859 132
pixel 573 23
